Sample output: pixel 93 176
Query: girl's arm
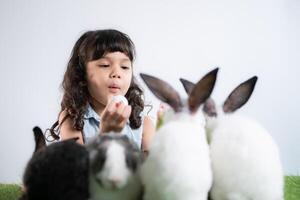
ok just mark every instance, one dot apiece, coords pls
pixel 66 129
pixel 148 133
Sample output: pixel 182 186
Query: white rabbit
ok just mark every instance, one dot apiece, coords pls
pixel 114 165
pixel 178 165
pixel 245 159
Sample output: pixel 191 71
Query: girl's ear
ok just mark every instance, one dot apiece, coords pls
pixel 239 96
pixel 163 91
pixel 202 90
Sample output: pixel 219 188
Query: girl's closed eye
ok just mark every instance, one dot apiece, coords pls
pixel 125 67
pixel 103 65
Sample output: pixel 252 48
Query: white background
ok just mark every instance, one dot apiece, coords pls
pixel 173 39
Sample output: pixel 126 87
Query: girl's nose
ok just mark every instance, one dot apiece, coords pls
pixel 115 76
pixel 115 73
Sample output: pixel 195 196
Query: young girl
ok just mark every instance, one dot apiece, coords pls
pixel 100 67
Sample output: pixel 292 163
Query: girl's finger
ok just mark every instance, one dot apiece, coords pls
pixel 119 114
pixel 124 117
pixel 109 110
pixel 120 108
pixel 126 112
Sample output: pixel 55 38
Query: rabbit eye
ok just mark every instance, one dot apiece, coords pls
pixel 98 162
pixel 131 161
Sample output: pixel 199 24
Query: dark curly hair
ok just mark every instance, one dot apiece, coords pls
pixel 92 45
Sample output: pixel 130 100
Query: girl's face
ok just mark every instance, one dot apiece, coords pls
pixel 109 76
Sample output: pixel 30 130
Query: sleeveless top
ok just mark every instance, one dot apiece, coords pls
pixel 91 127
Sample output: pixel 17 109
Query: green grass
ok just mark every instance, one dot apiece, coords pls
pixel 9 191
pixel 291 190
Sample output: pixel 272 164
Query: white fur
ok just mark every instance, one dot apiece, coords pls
pixel 115 168
pixel 178 165
pixel 118 181
pixel 245 160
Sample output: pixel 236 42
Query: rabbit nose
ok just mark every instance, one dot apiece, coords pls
pixel 114 181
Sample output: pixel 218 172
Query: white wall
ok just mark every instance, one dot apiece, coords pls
pixel 173 39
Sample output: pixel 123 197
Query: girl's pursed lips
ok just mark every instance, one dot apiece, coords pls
pixel 114 90
pixel 114 86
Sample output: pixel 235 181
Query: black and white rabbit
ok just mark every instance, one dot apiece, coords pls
pixel 178 165
pixel 245 159
pixel 114 168
pixel 58 171
pixel 39 139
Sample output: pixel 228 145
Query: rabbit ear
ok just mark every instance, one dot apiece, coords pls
pixel 188 86
pixel 202 90
pixel 163 91
pixel 210 107
pixel 39 138
pixel 239 96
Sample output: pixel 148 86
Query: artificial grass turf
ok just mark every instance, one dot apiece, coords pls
pixel 291 189
pixel 9 191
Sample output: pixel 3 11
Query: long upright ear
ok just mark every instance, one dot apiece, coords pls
pixel 39 138
pixel 239 96
pixel 163 91
pixel 202 90
pixel 188 85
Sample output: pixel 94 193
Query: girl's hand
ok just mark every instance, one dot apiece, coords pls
pixel 114 117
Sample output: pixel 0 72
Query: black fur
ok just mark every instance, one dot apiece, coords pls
pixel 39 138
pixel 57 172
